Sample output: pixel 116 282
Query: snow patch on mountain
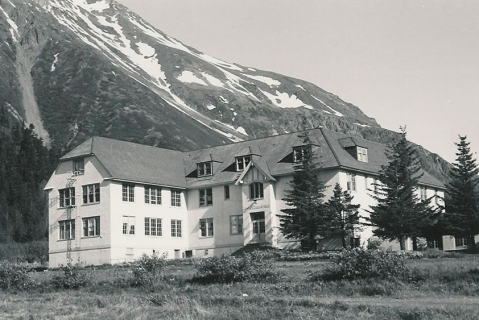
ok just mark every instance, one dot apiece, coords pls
pixel 251 69
pixel 15 5
pixel 94 6
pixel 336 113
pixel 300 86
pixel 241 130
pixel 145 49
pixel 190 77
pixel 53 67
pixel 223 99
pixel 362 125
pixel 284 100
pixel 213 80
pixel 210 107
pixel 269 81
pixel 13 25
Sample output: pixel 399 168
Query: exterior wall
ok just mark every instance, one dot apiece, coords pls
pixel 126 247
pixel 222 241
pixel 83 249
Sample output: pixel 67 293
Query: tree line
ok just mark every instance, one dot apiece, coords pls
pixel 398 214
pixel 25 166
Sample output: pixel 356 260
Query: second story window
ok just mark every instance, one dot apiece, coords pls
pixel 423 193
pixel 91 193
pixel 299 153
pixel 227 192
pixel 128 192
pixel 79 167
pixel 351 186
pixel 175 198
pixel 256 190
pixel 205 169
pixel 67 197
pixel 152 195
pixel 242 162
pixel 91 227
pixel 362 154
pixel 206 197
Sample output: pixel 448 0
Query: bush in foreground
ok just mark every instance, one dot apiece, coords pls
pixel 72 278
pixel 14 276
pixel 226 269
pixel 149 271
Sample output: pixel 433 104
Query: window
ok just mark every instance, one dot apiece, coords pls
pixel 91 227
pixel 152 195
pixel 128 192
pixel 236 224
pixel 153 227
pixel 175 198
pixel 242 162
pixel 433 243
pixel 351 181
pixel 461 241
pixel 205 169
pixel 362 154
pixel 67 229
pixel 206 227
pixel 437 199
pixel 67 197
pixel 256 190
pixel 78 167
pixel 299 153
pixel 206 197
pixel 227 192
pixel 258 222
pixel 423 192
pixel 176 228
pixel 91 193
pixel 128 225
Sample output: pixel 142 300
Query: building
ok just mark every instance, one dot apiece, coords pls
pixel 111 201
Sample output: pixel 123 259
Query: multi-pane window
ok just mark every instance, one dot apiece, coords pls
pixel 227 192
pixel 128 225
pixel 205 169
pixel 153 227
pixel 461 241
pixel 67 229
pixel 423 192
pixel 351 185
pixel 362 154
pixel 299 153
pixel 433 243
pixel 206 197
pixel 175 198
pixel 67 197
pixel 176 228
pixel 258 221
pixel 91 227
pixel 236 224
pixel 256 190
pixel 242 162
pixel 91 193
pixel 79 167
pixel 128 192
pixel 206 227
pixel 152 195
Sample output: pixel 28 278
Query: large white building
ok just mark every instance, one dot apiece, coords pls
pixel 111 201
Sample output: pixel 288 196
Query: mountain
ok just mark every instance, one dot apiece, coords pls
pixel 77 68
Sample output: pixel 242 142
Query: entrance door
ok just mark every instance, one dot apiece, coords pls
pixel 259 227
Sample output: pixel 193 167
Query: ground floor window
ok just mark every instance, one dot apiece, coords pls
pixel 461 242
pixel 257 219
pixel 128 225
pixel 236 224
pixel 206 227
pixel 91 227
pixel 176 228
pixel 153 227
pixel 67 229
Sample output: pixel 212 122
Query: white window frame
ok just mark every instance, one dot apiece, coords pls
pixel 351 184
pixel 256 190
pixel 236 224
pixel 153 227
pixel 152 195
pixel 175 228
pixel 205 197
pixel 128 192
pixel 300 152
pixel 242 162
pixel 423 193
pixel 258 222
pixel 128 225
pixel 91 227
pixel 206 228
pixel 461 241
pixel 205 169
pixel 362 154
pixel 66 197
pixel 66 227
pixel 91 193
pixel 175 198
pixel 79 167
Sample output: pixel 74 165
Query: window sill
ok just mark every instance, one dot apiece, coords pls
pixel 90 237
pixel 63 208
pixel 153 204
pixel 150 236
pixel 90 204
pixel 206 237
pixel 64 240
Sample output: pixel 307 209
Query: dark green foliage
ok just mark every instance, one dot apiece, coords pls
pixel 149 272
pixel 462 217
pixel 344 216
pixel 399 214
pixel 227 269
pixel 14 276
pixel 73 277
pixel 308 216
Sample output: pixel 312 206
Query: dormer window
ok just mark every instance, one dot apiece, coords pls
pixel 299 153
pixel 205 169
pixel 78 167
pixel 362 154
pixel 242 162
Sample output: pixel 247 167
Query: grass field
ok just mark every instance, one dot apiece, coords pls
pixel 441 288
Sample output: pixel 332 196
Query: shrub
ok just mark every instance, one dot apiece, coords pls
pixel 149 271
pixel 72 278
pixel 226 269
pixel 374 243
pixel 14 276
pixel 363 264
pixel 301 256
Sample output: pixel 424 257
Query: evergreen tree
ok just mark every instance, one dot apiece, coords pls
pixel 344 216
pixel 307 215
pixel 398 213
pixel 462 218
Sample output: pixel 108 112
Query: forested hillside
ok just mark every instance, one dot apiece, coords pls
pixel 25 166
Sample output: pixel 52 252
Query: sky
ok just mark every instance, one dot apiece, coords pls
pixel 411 63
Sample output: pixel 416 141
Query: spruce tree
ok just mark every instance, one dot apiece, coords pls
pixel 398 213
pixel 307 214
pixel 344 216
pixel 462 218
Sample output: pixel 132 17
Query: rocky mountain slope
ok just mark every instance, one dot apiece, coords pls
pixel 77 68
